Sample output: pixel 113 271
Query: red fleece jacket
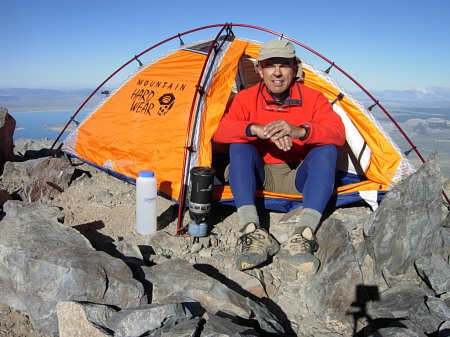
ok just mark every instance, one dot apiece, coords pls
pixel 250 107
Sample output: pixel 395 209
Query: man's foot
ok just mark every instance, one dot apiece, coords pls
pixel 298 250
pixel 256 246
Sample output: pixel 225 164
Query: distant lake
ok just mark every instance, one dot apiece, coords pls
pixel 40 124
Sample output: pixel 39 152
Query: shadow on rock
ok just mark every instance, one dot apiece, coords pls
pixel 271 305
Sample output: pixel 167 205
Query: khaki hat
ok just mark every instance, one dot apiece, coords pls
pixel 280 48
pixel 276 48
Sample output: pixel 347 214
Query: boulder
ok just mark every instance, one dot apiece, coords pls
pixel 331 292
pixel 406 222
pixel 435 271
pixel 176 277
pixel 135 322
pixel 43 262
pixel 406 301
pixel 38 179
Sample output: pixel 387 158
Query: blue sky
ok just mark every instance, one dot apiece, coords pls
pixel 383 44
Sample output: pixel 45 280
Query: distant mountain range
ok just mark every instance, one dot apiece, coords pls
pixel 435 96
pixel 22 99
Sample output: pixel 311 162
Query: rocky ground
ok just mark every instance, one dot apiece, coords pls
pixel 102 208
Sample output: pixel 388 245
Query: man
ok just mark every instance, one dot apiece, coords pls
pixel 283 137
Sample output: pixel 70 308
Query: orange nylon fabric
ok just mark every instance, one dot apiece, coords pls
pixel 143 125
pixel 385 159
pixel 224 192
pixel 217 98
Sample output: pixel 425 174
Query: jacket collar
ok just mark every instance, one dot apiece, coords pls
pixel 292 98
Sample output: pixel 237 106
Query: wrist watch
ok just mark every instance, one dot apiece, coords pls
pixel 307 129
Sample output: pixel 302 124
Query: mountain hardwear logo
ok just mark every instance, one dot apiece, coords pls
pixel 166 102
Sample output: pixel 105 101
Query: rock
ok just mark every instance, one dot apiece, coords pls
pixel 395 332
pixel 407 221
pixel 48 178
pixel 444 329
pixel 405 301
pixel 15 174
pixel 166 244
pixel 38 179
pixel 24 147
pixel 7 126
pixel 219 326
pixel 135 322
pixel 43 262
pixel 173 328
pixel 73 320
pixel 435 272
pixel 248 282
pixel 438 308
pixel 331 292
pixel 177 277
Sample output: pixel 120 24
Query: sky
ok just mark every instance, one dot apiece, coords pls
pixel 70 44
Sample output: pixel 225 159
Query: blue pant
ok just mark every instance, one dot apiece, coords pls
pixel 315 177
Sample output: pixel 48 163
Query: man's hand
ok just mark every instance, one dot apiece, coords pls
pixel 280 132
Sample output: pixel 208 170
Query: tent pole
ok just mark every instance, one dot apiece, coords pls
pixel 189 134
pixel 182 195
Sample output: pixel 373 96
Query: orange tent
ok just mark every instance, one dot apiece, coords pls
pixel 163 117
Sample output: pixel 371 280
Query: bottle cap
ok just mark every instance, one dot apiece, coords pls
pixel 146 174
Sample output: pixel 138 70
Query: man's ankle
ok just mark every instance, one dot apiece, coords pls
pixel 248 214
pixel 308 218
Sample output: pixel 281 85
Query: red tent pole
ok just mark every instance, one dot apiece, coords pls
pixel 414 147
pixel 123 66
pixel 189 134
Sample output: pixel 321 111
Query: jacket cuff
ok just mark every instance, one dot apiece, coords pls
pixel 248 131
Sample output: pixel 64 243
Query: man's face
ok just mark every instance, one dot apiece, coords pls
pixel 277 73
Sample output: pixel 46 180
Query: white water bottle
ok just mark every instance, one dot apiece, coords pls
pixel 146 203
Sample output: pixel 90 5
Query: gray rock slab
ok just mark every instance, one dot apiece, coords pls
pixel 176 277
pixel 43 262
pixel 405 301
pixel 435 272
pixel 331 292
pixel 219 326
pixel 407 220
pixel 134 322
pixel 438 308
pixel 395 332
pixel 172 328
